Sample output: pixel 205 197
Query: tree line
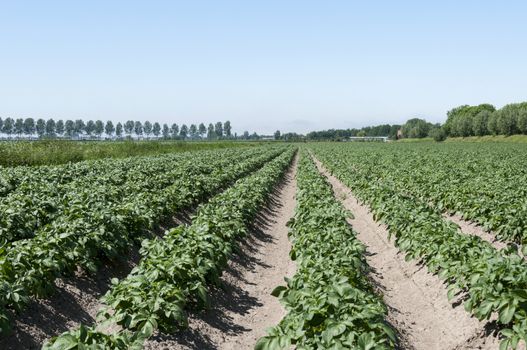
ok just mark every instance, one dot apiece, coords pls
pixel 485 119
pixel 74 129
pixel 462 121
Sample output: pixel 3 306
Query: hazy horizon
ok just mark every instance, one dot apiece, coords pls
pixel 296 66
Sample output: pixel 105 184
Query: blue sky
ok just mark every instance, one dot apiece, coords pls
pixel 264 65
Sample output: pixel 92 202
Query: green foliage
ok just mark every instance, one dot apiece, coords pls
pixel 90 211
pixel 438 134
pixel 408 192
pixel 466 120
pixel 174 271
pixel 416 128
pixel 330 303
pixel 52 152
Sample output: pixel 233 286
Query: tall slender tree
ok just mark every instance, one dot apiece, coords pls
pixel 1 125
pixel 202 130
pixel 147 127
pixel 50 127
pixel 109 129
pixel 218 129
pixel 174 130
pixel 129 127
pixel 183 132
pixel 99 128
pixel 138 128
pixel 69 128
pixel 156 129
pixel 166 131
pixel 80 127
pixel 193 131
pixel 210 132
pixel 90 127
pixel 9 126
pixel 19 127
pixel 41 127
pixel 119 130
pixel 29 126
pixel 59 127
pixel 227 129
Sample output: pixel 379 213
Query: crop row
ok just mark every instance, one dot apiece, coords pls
pixel 485 184
pixel 93 230
pixel 330 302
pixel 175 271
pixel 47 193
pixel 488 281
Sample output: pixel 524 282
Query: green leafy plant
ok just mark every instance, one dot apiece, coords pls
pixel 329 301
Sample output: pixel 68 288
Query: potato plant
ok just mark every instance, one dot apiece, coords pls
pixel 36 196
pixel 91 228
pixel 175 271
pixel 330 302
pixel 489 281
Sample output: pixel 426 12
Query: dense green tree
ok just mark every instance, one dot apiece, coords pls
pixel 29 126
pixel 202 130
pixel 245 135
pixel 277 135
pixel 492 124
pixel 460 120
pixel 183 132
pixel 90 127
pixel 218 130
pixel 69 128
pixel 193 131
pixel 522 119
pixel 156 129
pixel 138 128
pixel 129 127
pixel 99 128
pixel 416 128
pixel 438 134
pixel 50 127
pixel 174 130
pixel 41 127
pixel 147 127
pixel 19 126
pixel 9 126
pixel 1 125
pixel 119 130
pixel 166 131
pixel 59 127
pixel 507 118
pixel 227 129
pixel 480 123
pixel 109 129
pixel 80 127
pixel 210 132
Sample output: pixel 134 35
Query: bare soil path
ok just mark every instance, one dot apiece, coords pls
pixel 470 228
pixel 417 300
pixel 243 308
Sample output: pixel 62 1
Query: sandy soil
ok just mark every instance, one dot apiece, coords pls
pixel 75 301
pixel 417 301
pixel 243 308
pixel 473 229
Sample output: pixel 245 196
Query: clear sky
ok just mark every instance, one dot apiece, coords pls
pixel 264 65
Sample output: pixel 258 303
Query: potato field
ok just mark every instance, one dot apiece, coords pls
pixel 324 245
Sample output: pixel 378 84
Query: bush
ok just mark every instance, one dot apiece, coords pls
pixel 438 134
